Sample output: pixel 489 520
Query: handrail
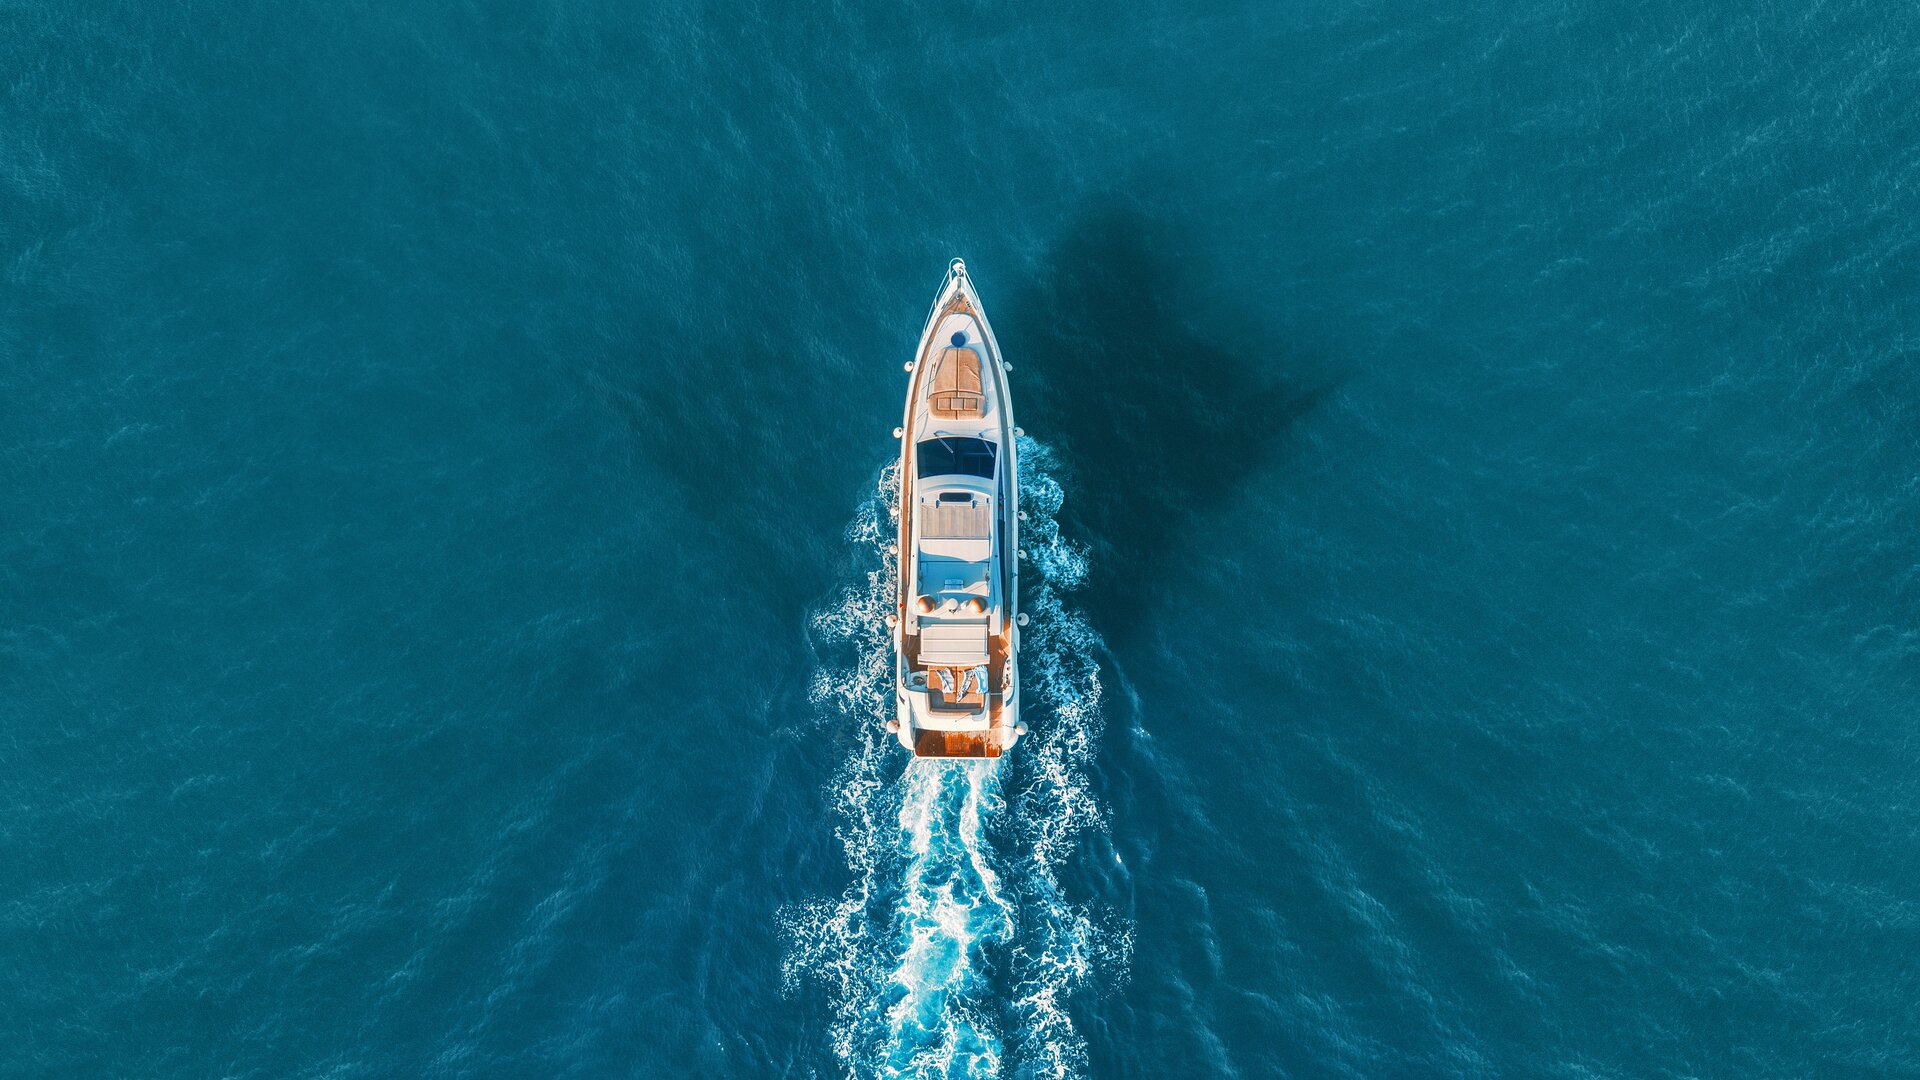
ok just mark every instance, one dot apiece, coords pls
pixel 955 269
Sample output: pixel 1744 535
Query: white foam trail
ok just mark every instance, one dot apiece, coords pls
pixel 1062 944
pixel 940 939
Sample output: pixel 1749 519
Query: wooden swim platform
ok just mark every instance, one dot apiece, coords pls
pixel 957 744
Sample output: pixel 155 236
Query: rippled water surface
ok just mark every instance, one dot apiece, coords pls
pixel 443 456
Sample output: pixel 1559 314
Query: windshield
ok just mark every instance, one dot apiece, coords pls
pixel 956 457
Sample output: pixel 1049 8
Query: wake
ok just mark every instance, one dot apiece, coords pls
pixel 954 952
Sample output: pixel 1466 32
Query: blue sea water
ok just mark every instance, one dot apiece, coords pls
pixel 442 463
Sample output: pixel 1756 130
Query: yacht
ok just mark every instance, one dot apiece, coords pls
pixel 956 627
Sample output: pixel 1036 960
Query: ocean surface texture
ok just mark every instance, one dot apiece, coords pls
pixel 1471 465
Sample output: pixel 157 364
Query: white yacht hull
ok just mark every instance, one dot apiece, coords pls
pixel 956 627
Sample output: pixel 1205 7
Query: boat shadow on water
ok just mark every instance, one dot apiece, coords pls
pixel 1159 419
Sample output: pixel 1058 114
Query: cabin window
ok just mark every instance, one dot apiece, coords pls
pixel 956 456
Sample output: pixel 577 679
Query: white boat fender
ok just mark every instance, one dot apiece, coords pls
pixel 1021 618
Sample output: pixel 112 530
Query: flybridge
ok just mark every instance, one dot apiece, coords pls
pixel 955 622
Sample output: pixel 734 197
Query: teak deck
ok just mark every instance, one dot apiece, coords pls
pixel 957 744
pixel 956 393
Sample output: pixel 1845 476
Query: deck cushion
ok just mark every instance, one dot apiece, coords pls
pixel 956 393
pixel 953 644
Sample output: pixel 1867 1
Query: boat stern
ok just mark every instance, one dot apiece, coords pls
pixel 931 729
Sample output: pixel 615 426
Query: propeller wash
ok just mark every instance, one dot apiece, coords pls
pixel 953 951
